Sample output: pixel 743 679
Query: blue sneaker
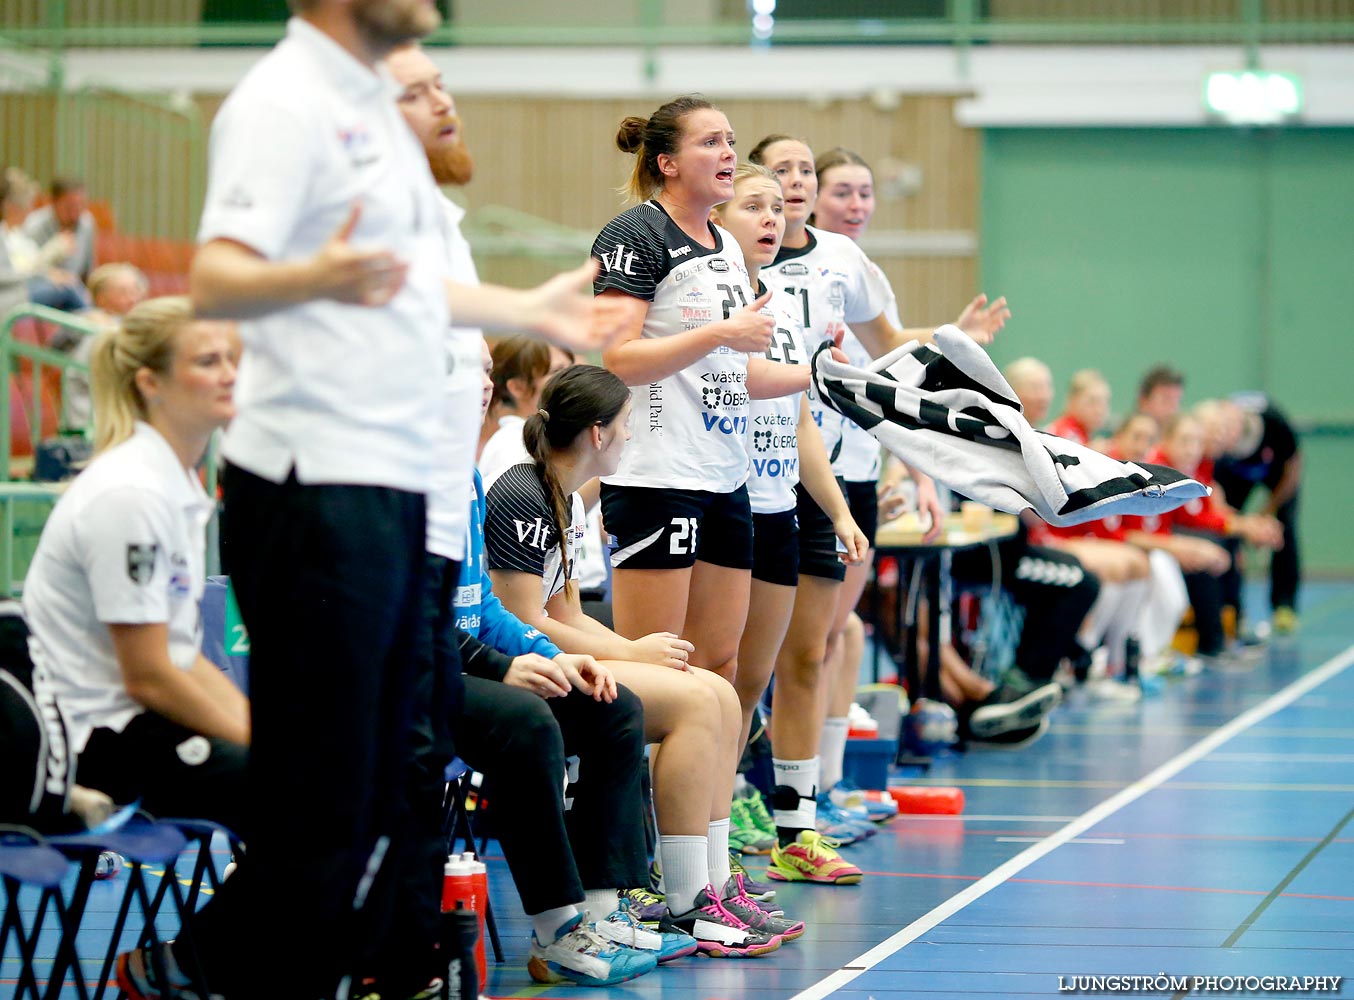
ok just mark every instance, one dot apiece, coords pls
pixel 847 827
pixel 622 927
pixel 580 955
pixel 648 907
pixel 878 807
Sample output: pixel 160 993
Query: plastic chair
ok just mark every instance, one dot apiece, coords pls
pixel 198 835
pixel 27 859
pixel 141 840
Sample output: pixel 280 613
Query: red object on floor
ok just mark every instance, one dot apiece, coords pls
pixel 928 799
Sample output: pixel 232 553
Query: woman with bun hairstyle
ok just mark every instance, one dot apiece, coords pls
pixel 112 601
pixel 691 351
pixel 533 526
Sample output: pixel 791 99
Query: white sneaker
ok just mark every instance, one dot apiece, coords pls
pixel 1113 689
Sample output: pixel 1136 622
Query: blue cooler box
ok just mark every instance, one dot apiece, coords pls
pixel 867 762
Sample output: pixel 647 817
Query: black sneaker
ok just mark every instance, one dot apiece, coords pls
pixel 1012 705
pixel 1013 739
pixel 718 932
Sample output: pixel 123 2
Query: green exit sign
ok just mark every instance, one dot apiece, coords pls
pixel 1253 97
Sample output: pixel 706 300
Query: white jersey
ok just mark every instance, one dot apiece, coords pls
pixel 858 461
pixel 686 430
pixel 834 284
pixel 773 424
pixel 124 545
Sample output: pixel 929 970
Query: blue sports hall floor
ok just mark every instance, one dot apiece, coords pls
pixel 1205 832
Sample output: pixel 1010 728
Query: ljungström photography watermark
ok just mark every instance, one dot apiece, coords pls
pixel 1199 985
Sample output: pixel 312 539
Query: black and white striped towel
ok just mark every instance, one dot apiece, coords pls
pixel 946 410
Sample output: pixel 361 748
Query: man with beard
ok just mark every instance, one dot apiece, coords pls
pixel 314 182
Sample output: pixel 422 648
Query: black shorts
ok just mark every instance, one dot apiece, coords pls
pixel 671 529
pixel 817 541
pixel 864 500
pixel 775 548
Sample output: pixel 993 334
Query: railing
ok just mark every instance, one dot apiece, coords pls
pixel 26 506
pixel 40 359
pixel 60 24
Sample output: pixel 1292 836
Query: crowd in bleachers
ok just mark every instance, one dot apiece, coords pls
pixel 664 550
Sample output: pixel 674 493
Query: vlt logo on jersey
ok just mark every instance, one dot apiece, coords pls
pixel 531 533
pixel 619 260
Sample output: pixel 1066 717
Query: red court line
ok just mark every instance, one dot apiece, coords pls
pixel 1120 885
pixel 937 831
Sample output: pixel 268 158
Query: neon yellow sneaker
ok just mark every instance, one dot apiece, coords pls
pixel 811 858
pixel 1285 621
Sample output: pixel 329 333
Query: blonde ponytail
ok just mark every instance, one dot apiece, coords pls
pixel 145 339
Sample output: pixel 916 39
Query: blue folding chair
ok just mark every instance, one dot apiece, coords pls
pixel 142 841
pixel 27 860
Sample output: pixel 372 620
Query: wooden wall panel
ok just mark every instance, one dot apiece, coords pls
pixel 570 170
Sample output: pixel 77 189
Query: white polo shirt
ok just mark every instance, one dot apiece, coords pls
pixel 124 545
pixel 454 469
pixel 341 393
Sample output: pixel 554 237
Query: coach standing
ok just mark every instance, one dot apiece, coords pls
pixel 324 228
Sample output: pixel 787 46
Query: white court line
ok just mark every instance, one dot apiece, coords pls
pixel 1280 699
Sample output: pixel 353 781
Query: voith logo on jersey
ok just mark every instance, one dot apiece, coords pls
pixel 619 260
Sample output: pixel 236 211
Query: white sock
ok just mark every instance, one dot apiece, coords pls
pixel 832 751
pixel 547 923
pixel 802 776
pixel 717 853
pixel 686 869
pixel 600 903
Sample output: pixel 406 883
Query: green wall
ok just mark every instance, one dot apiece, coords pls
pixel 1229 253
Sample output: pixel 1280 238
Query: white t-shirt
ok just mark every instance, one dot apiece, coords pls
pixel 834 284
pixel 858 461
pixel 453 472
pixel 340 393
pixel 124 545
pixel 519 529
pixel 773 424
pixel 504 449
pixel 687 430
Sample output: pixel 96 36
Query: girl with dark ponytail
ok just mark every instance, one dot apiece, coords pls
pixel 533 523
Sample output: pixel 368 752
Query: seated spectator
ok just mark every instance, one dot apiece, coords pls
pixel 522 705
pixel 522 366
pixel 45 282
pixel 117 289
pixel 1260 448
pixel 532 523
pixel 1033 384
pixel 1182 565
pixel 1160 392
pixel 112 600
pixel 1087 409
pixel 67 217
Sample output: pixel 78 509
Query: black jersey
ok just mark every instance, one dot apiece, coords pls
pixel 519 529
